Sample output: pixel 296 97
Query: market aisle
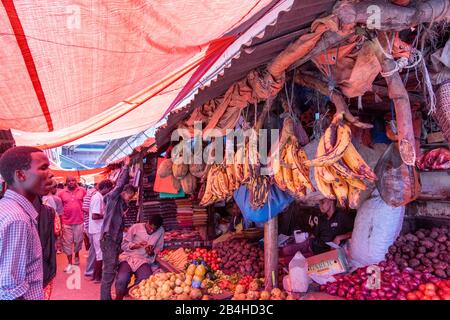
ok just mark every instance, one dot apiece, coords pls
pixel 69 290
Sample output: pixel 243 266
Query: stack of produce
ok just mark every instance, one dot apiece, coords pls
pixel 254 292
pixel 211 257
pixel 166 286
pixel 290 172
pixel 362 284
pixel 178 258
pixel 242 257
pixel 439 290
pixel 425 251
pixel 221 182
pixel 339 170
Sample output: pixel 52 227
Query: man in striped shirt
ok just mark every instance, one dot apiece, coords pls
pixel 26 171
pixel 87 237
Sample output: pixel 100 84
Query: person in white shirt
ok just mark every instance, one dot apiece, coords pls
pixel 96 215
pixel 140 246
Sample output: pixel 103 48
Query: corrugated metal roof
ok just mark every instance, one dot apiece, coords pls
pixel 259 51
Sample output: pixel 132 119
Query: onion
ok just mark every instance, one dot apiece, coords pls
pixel 435 280
pixel 389 295
pixel 404 288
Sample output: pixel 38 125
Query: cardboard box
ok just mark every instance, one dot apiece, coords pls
pixel 328 263
pixel 435 137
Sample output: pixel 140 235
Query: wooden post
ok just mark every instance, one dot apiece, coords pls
pixel 271 253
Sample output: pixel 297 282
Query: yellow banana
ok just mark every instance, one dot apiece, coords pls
pixel 357 164
pixel 330 157
pixel 278 174
pixel 340 189
pixel 324 188
pixel 344 171
pixel 231 177
pixel 354 195
pixel 238 163
pixel 326 175
pixel 208 195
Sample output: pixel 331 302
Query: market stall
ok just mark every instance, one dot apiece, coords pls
pixel 354 127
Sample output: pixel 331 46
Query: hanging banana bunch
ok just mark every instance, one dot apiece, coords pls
pixel 290 172
pixel 339 169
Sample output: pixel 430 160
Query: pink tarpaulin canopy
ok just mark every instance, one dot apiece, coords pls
pixel 83 71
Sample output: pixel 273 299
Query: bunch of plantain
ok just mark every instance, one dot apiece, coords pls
pixel 339 170
pixel 259 187
pixel 290 172
pixel 222 180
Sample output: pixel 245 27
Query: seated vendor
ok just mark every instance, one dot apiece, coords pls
pixel 334 225
pixel 140 246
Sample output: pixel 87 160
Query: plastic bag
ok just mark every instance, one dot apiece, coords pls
pixel 276 203
pixel 376 227
pixel 298 273
pixel 398 183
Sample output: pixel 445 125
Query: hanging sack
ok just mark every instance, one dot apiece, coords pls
pixel 398 183
pixel 276 203
pixel 167 184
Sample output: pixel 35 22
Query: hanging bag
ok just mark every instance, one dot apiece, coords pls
pixel 398 183
pixel 276 203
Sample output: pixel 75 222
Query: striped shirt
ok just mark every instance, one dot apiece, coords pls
pixel 86 206
pixel 21 272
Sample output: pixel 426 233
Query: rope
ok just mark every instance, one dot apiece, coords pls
pixel 404 63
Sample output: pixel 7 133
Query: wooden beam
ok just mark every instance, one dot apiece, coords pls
pixel 271 253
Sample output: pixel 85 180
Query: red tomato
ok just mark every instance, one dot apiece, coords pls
pixel 411 296
pixel 422 287
pixel 435 298
pixel 419 294
pixel 430 293
pixel 446 296
pixel 426 298
pixel 430 286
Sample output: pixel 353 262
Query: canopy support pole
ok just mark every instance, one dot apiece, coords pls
pixel 271 253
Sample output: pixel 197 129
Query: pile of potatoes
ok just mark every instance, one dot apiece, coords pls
pixel 424 251
pixel 166 286
pixel 242 257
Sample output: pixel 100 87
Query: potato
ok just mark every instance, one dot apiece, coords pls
pixel 442 239
pixel 431 255
pixel 441 273
pixel 413 263
pixel 434 234
pixel 420 235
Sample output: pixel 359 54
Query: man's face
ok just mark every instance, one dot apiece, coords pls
pixel 326 205
pixel 38 179
pixel 150 227
pixel 71 183
pixel 105 191
pixel 127 196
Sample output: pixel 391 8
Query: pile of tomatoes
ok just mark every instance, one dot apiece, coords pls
pixel 245 281
pixel 440 290
pixel 209 256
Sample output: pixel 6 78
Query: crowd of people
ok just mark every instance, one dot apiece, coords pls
pixel 38 220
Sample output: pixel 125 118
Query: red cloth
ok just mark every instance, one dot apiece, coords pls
pixel 73 204
pixel 107 69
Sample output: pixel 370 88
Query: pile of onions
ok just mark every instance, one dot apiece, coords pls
pixel 394 284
